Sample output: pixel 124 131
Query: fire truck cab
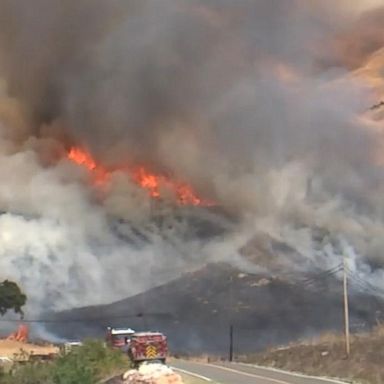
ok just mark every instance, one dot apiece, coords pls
pixel 119 337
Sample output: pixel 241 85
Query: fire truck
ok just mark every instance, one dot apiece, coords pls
pixel 140 346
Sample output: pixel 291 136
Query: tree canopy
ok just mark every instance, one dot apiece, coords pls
pixel 11 297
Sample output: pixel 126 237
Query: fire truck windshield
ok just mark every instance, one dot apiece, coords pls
pixel 121 339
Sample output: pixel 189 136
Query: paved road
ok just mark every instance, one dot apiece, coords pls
pixel 233 373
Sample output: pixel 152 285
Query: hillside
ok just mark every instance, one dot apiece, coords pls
pixel 195 310
pixel 325 356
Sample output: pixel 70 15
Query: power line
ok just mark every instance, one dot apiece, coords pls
pixel 322 276
pixel 376 295
pixel 325 272
pixel 366 288
pixel 85 319
pixel 369 287
pixel 357 282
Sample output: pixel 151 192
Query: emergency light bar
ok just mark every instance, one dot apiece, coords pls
pixel 122 331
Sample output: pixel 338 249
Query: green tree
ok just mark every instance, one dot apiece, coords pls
pixel 11 297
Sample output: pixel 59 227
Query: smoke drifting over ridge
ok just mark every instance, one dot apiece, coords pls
pixel 252 103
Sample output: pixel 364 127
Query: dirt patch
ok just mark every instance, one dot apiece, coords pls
pixel 17 350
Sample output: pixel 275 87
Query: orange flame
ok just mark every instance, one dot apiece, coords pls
pixel 153 183
pixel 147 181
pixel 81 157
pixel 84 158
pixel 20 335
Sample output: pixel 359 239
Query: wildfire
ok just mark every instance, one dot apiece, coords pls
pixel 154 184
pixel 148 181
pixel 84 158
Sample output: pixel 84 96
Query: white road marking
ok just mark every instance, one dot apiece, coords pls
pixel 248 374
pixel 295 374
pixel 192 374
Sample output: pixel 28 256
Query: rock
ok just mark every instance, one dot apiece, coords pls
pixel 152 374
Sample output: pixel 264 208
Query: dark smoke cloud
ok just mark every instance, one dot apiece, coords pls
pixel 247 100
pixel 148 65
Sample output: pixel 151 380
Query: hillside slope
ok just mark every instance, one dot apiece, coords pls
pixel 195 311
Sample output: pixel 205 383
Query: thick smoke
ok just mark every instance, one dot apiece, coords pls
pixel 253 103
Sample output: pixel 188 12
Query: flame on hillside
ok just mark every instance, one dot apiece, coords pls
pixel 100 175
pixel 155 184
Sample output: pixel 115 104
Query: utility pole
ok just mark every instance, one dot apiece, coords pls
pixel 231 343
pixel 346 306
pixel 230 317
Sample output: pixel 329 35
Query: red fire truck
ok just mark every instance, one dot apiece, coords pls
pixel 140 346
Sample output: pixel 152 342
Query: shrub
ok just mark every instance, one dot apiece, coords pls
pixel 87 364
pixel 29 374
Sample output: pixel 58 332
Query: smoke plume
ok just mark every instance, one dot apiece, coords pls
pixel 260 106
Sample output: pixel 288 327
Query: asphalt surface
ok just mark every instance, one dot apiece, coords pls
pixel 234 373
